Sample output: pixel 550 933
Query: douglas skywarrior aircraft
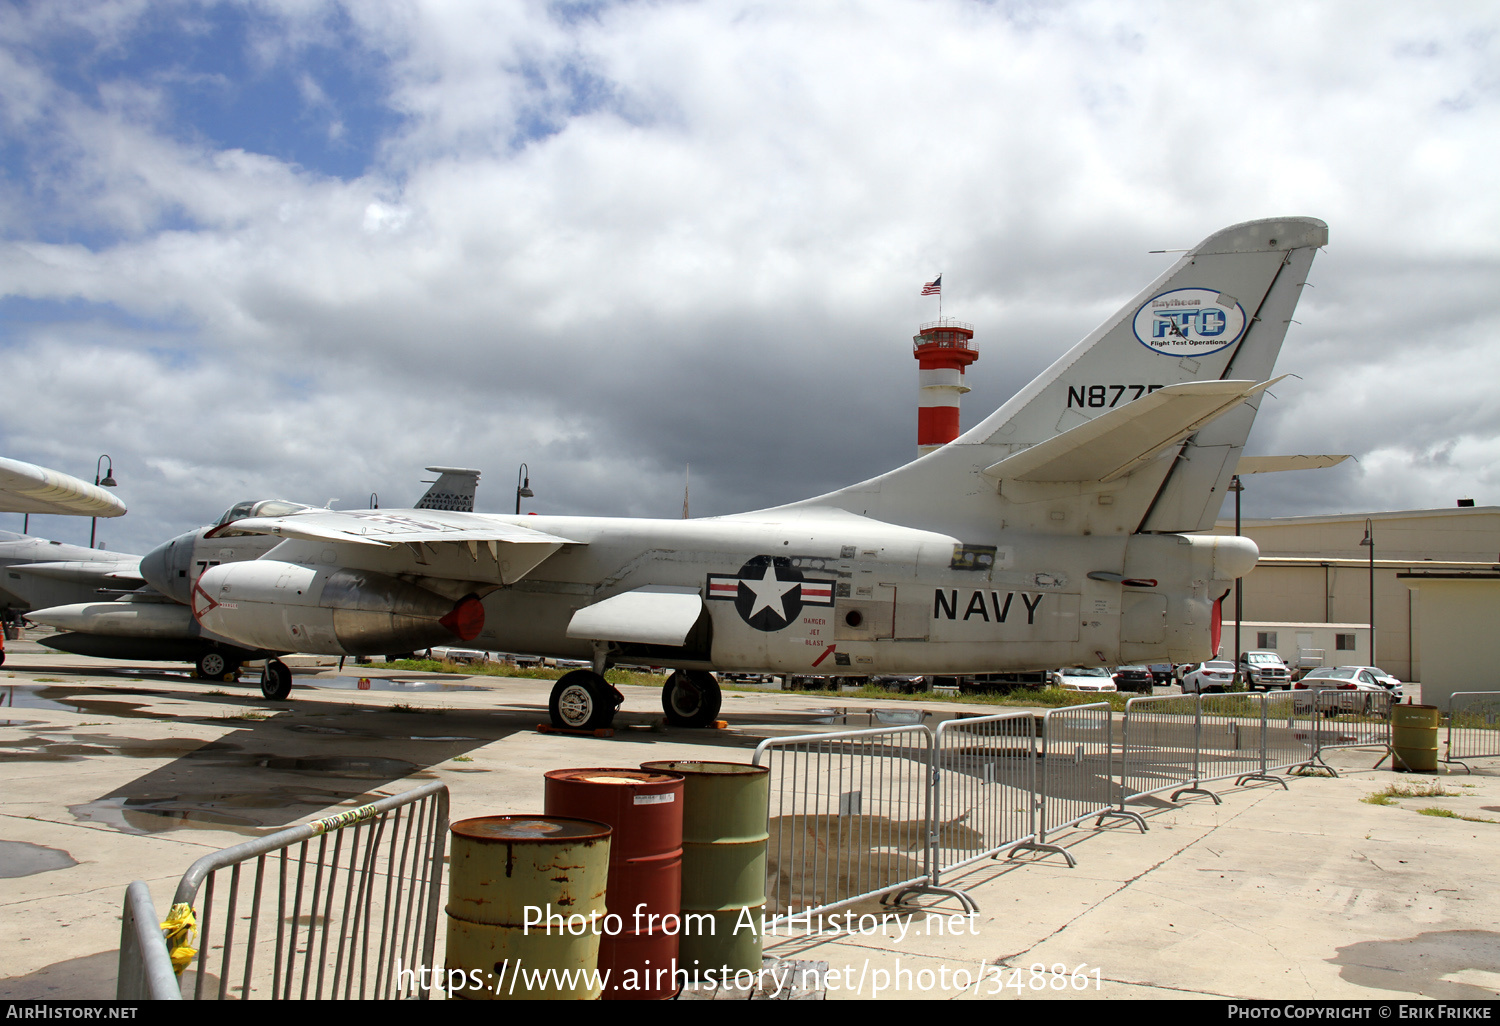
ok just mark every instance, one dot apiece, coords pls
pixel 1054 533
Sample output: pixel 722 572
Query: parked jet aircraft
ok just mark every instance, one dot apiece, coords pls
pixel 1056 532
pixel 156 623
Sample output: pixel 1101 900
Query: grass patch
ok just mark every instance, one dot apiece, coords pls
pixel 463 758
pixel 1450 814
pixel 248 714
pixel 1051 697
pixel 418 710
pixel 1431 789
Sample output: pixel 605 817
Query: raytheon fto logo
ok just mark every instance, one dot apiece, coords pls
pixel 1189 322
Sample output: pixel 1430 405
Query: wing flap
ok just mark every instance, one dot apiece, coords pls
pixel 386 528
pixel 654 615
pixel 1116 443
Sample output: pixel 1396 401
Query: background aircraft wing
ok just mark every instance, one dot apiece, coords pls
pixel 25 488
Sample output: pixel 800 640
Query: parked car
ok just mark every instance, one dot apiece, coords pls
pixel 1215 675
pixel 1133 678
pixel 1353 685
pixel 1264 670
pixel 1162 673
pixel 1391 684
pixel 1091 678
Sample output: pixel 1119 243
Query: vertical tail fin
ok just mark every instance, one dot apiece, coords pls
pixel 1217 316
pixel 453 490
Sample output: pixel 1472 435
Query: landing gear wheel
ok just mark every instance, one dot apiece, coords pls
pixel 582 700
pixel 275 680
pixel 212 666
pixel 691 698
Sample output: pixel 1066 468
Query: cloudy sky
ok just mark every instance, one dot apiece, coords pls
pixel 295 248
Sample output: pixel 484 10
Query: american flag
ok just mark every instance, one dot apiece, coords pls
pixel 934 287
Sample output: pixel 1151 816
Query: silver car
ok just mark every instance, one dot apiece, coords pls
pixel 1354 685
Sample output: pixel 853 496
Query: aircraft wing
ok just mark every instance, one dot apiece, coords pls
pixel 84 571
pixel 1115 443
pixel 513 548
pixel 25 488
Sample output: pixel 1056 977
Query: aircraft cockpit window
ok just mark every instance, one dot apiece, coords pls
pixel 276 508
pixel 259 508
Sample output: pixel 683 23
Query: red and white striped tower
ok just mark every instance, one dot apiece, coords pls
pixel 943 349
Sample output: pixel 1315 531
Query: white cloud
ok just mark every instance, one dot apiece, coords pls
pixel 605 244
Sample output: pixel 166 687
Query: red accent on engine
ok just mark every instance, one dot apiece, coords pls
pixel 466 619
pixel 1216 623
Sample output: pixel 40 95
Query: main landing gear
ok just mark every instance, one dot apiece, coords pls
pixel 583 700
pixel 216 666
pixel 691 698
pixel 275 680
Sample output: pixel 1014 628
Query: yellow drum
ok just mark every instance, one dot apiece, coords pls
pixel 526 907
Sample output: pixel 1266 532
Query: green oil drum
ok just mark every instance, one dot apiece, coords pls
pixel 1414 737
pixel 723 862
pixel 525 896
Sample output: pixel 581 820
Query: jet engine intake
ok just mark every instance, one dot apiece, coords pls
pixel 293 608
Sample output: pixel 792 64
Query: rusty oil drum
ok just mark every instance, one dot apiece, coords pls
pixel 645 870
pixel 501 869
pixel 723 862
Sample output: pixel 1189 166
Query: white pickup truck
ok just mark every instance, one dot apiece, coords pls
pixel 1263 670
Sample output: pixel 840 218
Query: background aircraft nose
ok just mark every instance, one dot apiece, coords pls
pixel 165 567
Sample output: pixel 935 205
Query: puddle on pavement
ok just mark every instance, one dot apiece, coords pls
pixel 17 858
pixel 341 765
pixel 409 684
pixel 50 749
pixel 216 811
pixel 96 701
pixel 1446 965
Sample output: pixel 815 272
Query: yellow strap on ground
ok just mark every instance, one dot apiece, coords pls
pixel 181 927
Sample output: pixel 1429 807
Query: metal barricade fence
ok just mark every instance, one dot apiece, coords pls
pixel 1340 718
pixel 345 907
pixel 1076 779
pixel 1286 739
pixel 1473 726
pixel 984 780
pixel 849 817
pixel 1159 747
pixel 145 967
pixel 1232 738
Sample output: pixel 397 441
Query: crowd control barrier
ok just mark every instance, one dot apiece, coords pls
pixel 1473 727
pixel 344 907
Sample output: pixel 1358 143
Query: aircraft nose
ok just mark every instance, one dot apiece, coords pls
pixel 165 567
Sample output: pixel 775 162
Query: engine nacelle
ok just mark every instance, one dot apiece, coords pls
pixel 288 607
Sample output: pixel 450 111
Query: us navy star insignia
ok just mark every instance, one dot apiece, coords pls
pixel 769 593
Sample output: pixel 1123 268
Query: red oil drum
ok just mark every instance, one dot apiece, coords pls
pixel 645 871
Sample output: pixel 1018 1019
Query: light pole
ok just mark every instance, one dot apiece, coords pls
pixel 108 481
pixel 523 486
pixel 1369 541
pixel 1239 583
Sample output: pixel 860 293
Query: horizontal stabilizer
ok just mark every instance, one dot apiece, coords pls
pixel 1116 443
pixel 656 615
pixel 1273 464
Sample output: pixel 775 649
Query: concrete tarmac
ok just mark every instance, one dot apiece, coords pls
pixel 116 773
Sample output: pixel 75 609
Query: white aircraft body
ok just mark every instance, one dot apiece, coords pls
pixel 1057 532
pixel 156 622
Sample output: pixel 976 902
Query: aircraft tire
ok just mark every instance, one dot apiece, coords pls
pixel 691 698
pixel 212 666
pixel 581 700
pixel 275 680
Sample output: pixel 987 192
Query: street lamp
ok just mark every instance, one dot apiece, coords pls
pixel 107 481
pixel 523 486
pixel 1239 584
pixel 1369 540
